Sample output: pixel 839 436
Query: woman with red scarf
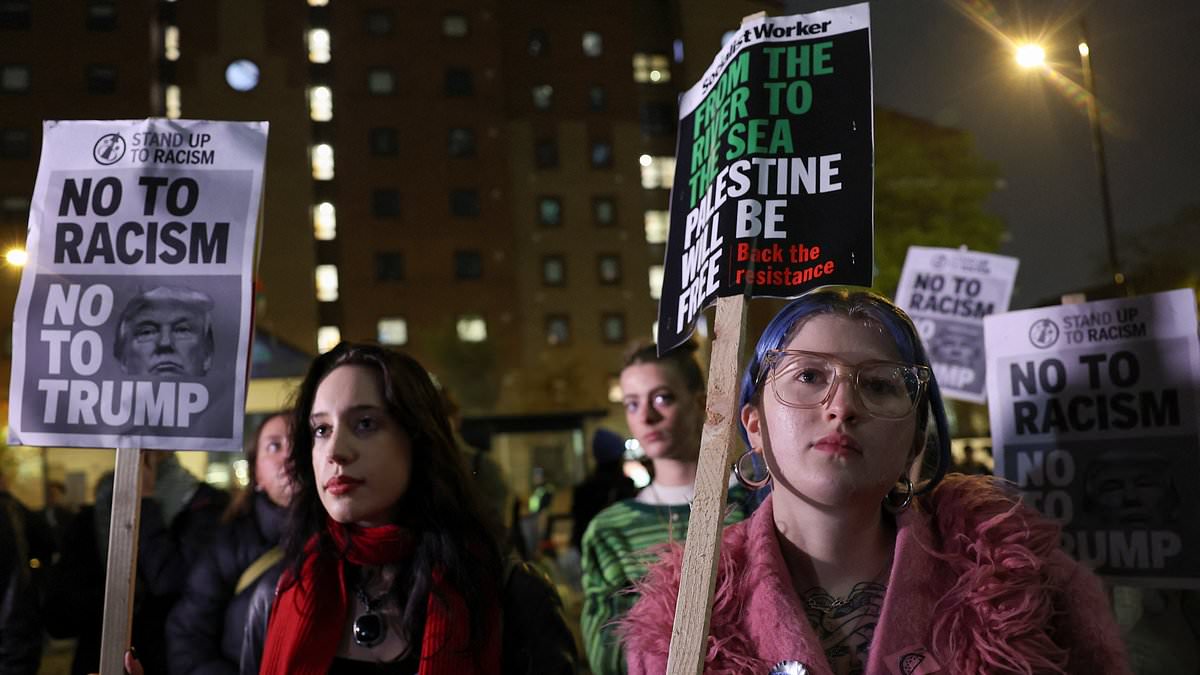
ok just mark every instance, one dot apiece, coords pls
pixel 389 567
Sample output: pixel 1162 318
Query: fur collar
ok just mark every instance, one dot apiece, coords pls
pixel 974 581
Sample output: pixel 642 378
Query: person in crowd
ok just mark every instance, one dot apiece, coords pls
pixel 20 624
pixel 606 485
pixel 206 626
pixel 389 564
pixel 57 514
pixel 664 406
pixel 491 484
pixel 166 332
pixel 33 537
pixel 860 561
pixel 179 515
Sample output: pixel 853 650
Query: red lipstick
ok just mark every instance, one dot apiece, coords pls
pixel 340 485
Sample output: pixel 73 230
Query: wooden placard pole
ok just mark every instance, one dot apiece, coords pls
pixel 122 561
pixel 689 634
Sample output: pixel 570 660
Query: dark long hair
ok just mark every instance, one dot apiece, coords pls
pixel 863 304
pixel 439 508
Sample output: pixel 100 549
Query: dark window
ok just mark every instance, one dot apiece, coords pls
pixel 101 15
pixel 381 81
pixel 468 265
pixel 658 118
pixel 604 210
pixel 550 211
pixel 464 203
pixel 379 21
pixel 597 98
pixel 612 328
pixel 539 42
pixel 455 25
pixel 459 82
pixel 389 266
pixel 15 143
pixel 608 268
pixel 545 154
pixel 14 79
pixel 14 209
pixel 14 14
pixel 385 141
pixel 554 270
pixel 601 154
pixel 101 79
pixel 385 203
pixel 461 142
pixel 558 329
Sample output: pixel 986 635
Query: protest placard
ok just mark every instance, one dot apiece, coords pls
pixel 132 323
pixel 947 292
pixel 1094 418
pixel 773 178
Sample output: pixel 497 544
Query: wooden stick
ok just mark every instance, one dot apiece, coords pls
pixel 122 561
pixel 689 634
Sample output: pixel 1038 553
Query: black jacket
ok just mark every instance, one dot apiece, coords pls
pixel 205 629
pixel 536 640
pixel 20 629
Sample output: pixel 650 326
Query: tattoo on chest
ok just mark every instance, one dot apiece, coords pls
pixel 846 625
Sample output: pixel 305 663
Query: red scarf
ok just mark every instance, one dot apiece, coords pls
pixel 301 639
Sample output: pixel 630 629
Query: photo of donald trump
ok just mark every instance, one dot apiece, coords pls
pixel 166 332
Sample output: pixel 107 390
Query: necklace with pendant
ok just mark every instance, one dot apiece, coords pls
pixel 369 627
pixel 827 604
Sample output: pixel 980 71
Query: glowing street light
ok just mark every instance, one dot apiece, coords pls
pixel 1031 56
pixel 17 257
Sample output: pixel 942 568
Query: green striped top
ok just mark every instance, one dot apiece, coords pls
pixel 618 546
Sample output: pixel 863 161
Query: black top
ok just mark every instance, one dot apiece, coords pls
pixel 408 666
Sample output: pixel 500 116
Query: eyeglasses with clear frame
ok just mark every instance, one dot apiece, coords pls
pixel 802 379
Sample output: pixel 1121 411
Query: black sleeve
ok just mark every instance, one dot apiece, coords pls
pixel 20 625
pixel 162 564
pixel 536 638
pixel 256 620
pixel 197 621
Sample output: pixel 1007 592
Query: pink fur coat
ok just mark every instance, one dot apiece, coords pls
pixel 978 585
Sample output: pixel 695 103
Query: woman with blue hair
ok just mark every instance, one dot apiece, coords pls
pixel 866 557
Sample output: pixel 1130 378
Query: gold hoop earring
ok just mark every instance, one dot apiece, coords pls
pixel 890 502
pixel 741 476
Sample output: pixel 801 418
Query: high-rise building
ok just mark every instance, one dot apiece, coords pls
pixel 481 183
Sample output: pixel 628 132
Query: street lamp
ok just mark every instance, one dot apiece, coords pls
pixel 1033 56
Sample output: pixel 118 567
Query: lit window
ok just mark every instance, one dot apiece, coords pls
pixel 171 43
pixel 651 68
pixel 393 331
pixel 657 226
pixel 593 43
pixel 320 104
pixel 324 218
pixel 328 337
pixel 327 283
pixel 381 81
pixel 558 329
pixel 615 395
pixel 608 268
pixel 612 328
pixel 656 279
pixel 543 96
pixel 317 3
pixel 554 270
pixel 322 161
pixel 242 75
pixel 318 45
pixel 657 172
pixel 455 25
pixel 471 328
pixel 550 211
pixel 174 102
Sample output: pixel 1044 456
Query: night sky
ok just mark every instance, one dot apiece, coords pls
pixel 932 61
